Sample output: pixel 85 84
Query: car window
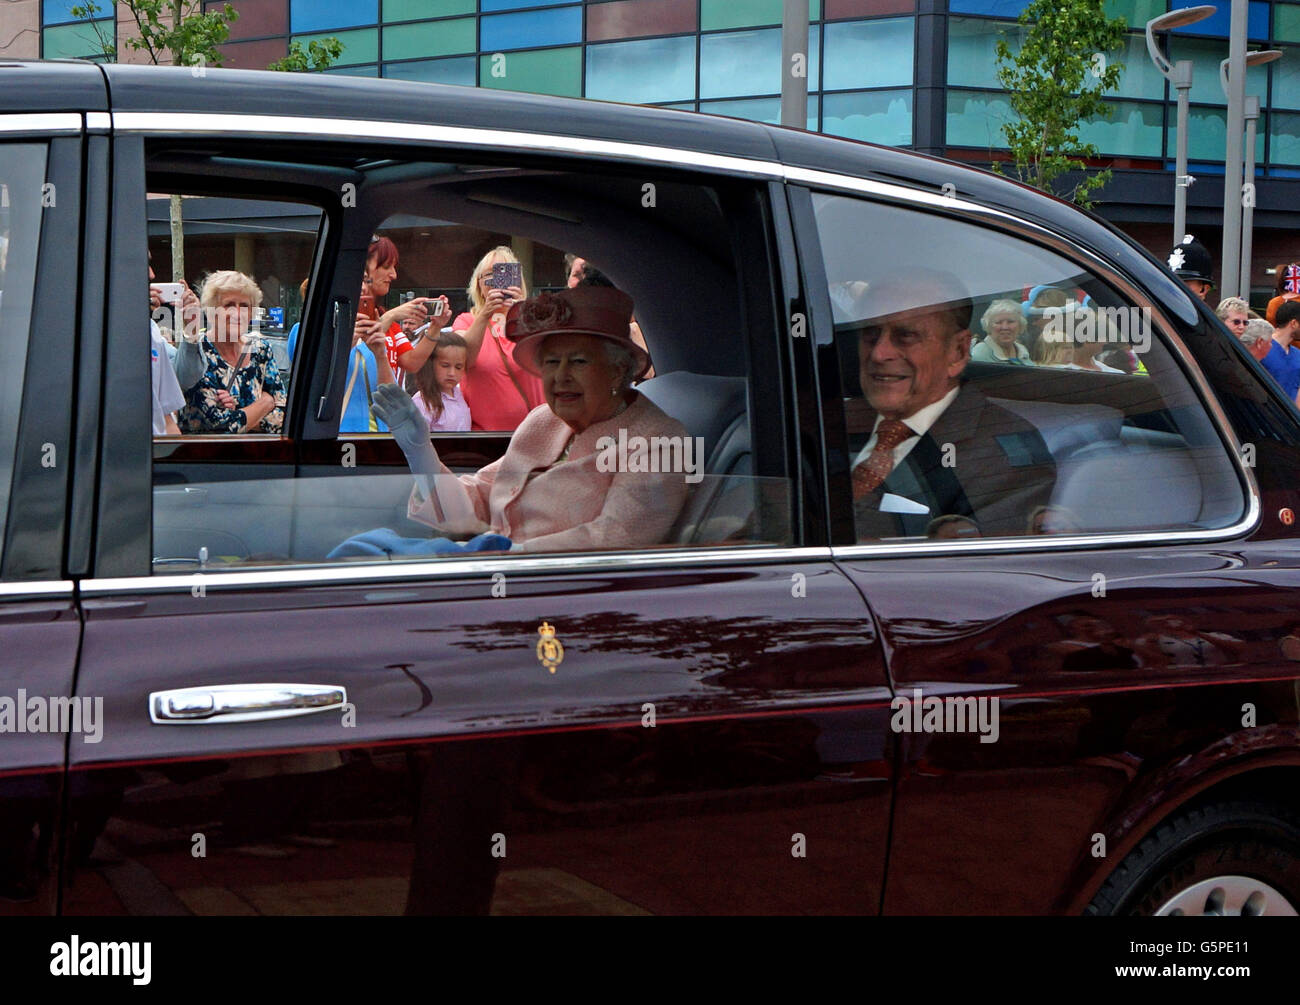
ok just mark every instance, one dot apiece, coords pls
pixel 992 387
pixel 624 414
pixel 22 197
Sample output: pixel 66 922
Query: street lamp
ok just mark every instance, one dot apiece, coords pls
pixel 1180 76
pixel 1251 114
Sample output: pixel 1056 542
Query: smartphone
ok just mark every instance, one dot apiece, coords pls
pixel 367 306
pixel 170 293
pixel 506 275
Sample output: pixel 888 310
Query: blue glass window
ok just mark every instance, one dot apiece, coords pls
pixel 749 63
pixel 1007 9
pixel 1218 23
pixel 491 5
pixel 354 71
pixel 60 11
pixel 869 54
pixel 876 116
pixel 324 15
pixel 655 69
pixel 530 29
pixel 461 70
pixel 758 110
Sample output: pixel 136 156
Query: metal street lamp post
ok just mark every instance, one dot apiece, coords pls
pixel 1180 76
pixel 1230 264
pixel 794 57
pixel 1250 113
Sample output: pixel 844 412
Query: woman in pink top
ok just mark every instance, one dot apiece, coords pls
pixel 498 391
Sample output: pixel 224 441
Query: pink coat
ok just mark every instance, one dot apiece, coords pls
pixel 573 506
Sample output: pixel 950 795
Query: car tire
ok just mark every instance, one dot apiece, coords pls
pixel 1221 859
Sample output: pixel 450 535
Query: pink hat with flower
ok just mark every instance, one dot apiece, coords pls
pixel 600 311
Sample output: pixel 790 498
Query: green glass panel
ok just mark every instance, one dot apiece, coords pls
pixel 429 38
pixel 976 120
pixel 355 71
pixel 361 46
pixel 875 116
pixel 71 41
pixel 972 49
pixel 1286 22
pixel 1286 80
pixel 1132 130
pixel 1139 77
pixel 1206 54
pixel 758 110
pixel 544 71
pixel 1286 139
pixel 747 13
pixel 1207 135
pixel 1136 12
pixel 415 10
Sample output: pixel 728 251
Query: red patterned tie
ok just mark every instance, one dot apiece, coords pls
pixel 868 475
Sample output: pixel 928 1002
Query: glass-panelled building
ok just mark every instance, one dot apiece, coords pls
pixel 912 73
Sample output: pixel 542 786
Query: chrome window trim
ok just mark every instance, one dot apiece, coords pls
pixel 363 130
pixel 343 575
pixel 41 123
pixel 37 590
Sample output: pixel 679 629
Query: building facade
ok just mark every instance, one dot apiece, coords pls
pixel 910 73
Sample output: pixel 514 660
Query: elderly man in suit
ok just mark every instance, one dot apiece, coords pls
pixel 938 448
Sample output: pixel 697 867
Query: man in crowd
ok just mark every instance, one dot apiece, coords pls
pixel 937 446
pixel 1283 358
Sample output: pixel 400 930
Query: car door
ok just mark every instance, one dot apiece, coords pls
pixel 41 223
pixel 1063 649
pixel 694 727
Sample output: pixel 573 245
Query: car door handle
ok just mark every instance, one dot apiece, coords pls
pixel 242 702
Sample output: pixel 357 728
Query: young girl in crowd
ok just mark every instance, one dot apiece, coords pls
pixel 437 385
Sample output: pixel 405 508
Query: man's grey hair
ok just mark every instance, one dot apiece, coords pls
pixel 1256 329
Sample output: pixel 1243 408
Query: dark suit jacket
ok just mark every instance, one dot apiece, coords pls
pixel 996 473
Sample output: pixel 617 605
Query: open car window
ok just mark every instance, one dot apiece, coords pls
pixel 992 387
pixel 702 463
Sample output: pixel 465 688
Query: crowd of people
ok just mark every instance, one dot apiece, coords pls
pixel 461 372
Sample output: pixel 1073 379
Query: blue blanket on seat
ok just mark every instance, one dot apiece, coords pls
pixel 387 543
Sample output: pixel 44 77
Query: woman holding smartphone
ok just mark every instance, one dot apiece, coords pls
pixel 498 391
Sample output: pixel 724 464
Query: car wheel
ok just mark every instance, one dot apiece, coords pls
pixel 1222 859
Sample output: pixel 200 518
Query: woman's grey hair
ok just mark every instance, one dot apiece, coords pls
pixel 622 360
pixel 1232 305
pixel 1256 329
pixel 1003 307
pixel 229 281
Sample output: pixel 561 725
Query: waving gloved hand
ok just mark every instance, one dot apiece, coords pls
pixel 394 406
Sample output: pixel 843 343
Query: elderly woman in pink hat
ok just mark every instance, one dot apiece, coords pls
pixel 559 486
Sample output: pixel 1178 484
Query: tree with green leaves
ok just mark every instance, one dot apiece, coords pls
pixel 179 30
pixel 320 54
pixel 1055 81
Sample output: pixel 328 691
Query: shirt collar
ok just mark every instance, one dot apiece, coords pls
pixel 920 421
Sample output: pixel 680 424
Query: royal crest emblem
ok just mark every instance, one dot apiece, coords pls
pixel 550 653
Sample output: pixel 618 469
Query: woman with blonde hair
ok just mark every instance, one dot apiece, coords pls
pixel 228 374
pixel 498 391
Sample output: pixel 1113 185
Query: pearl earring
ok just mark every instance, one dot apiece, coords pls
pixel 613 392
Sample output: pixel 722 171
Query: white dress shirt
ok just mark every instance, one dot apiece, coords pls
pixel 919 423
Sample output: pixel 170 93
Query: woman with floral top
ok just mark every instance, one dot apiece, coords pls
pixel 231 382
